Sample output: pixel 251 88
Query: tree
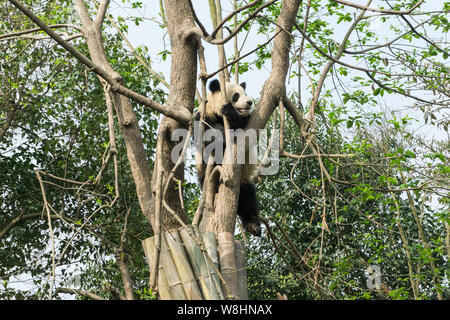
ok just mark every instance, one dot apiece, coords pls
pixel 364 188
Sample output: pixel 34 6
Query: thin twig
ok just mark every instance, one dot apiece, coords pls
pixel 220 41
pixel 49 220
pixel 366 7
pixel 52 26
pixel 242 57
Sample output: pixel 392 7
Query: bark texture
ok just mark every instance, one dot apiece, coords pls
pixel 184 37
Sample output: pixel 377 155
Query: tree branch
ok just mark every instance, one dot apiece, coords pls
pixel 101 13
pixel 387 44
pixel 211 39
pixel 197 21
pixel 136 55
pixel 330 63
pixel 8 121
pixel 82 293
pixel 180 114
pixel 125 272
pixel 346 64
pixel 52 26
pixel 235 12
pixel 413 29
pixel 21 218
pixel 274 88
pixel 242 57
pixel 381 85
pixel 49 220
pixel 367 8
pixel 83 12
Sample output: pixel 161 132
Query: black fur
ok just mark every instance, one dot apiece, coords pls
pixel 214 85
pixel 248 209
pixel 234 119
pixel 247 205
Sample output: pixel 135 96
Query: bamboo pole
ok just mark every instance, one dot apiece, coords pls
pixel 183 265
pixel 228 263
pixel 188 272
pixel 209 239
pixel 241 267
pixel 199 265
pixel 169 277
pixel 163 285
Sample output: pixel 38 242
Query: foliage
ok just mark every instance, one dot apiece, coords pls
pixel 381 200
pixel 386 204
pixel 362 220
pixel 61 127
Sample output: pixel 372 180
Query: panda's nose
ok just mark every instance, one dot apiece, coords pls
pixel 249 103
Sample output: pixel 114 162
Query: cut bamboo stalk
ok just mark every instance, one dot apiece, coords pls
pixel 164 290
pixel 163 287
pixel 241 267
pixel 228 263
pixel 183 265
pixel 209 240
pixel 171 280
pixel 199 264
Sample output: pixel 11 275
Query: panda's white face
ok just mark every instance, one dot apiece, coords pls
pixel 239 99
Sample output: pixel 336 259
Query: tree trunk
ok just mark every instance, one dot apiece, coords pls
pixel 184 39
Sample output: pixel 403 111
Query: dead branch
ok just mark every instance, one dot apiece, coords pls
pixel 158 196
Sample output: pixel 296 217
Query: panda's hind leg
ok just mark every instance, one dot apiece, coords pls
pixel 248 209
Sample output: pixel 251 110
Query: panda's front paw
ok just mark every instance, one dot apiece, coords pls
pixel 253 227
pixel 227 110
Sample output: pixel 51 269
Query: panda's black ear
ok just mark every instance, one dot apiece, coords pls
pixel 243 85
pixel 214 85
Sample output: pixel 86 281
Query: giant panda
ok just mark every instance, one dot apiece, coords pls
pixel 237 110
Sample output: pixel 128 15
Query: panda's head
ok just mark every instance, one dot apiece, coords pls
pixel 235 95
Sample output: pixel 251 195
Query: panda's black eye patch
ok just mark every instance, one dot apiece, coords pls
pixel 235 97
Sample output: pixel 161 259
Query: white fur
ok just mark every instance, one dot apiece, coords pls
pixel 241 106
